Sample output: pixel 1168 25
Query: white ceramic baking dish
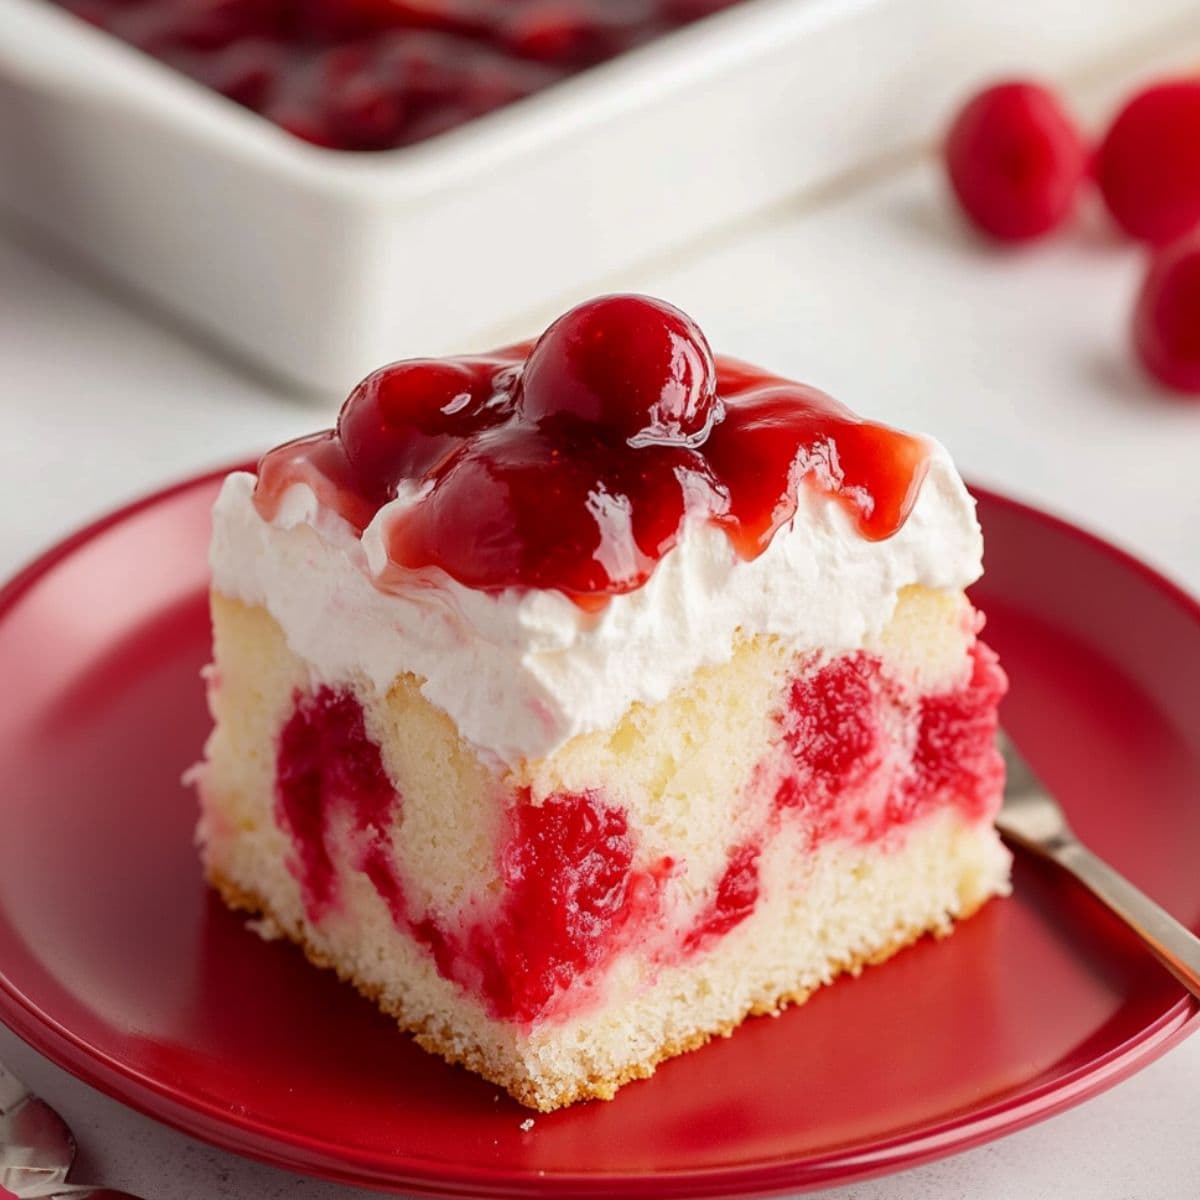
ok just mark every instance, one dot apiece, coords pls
pixel 319 265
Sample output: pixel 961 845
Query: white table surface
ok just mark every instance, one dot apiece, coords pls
pixel 1017 361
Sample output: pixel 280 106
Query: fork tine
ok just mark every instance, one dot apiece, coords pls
pixel 1029 815
pixel 1019 774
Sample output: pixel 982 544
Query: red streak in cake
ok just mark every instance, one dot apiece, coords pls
pixel 956 739
pixel 326 765
pixel 575 464
pixel 737 895
pixel 833 724
pixel 838 782
pixel 570 901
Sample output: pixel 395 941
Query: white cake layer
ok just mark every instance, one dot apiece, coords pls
pixel 688 773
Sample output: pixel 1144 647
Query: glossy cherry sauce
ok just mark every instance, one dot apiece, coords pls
pixel 572 897
pixel 575 463
pixel 376 74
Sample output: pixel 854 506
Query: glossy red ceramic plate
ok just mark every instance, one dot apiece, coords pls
pixel 116 962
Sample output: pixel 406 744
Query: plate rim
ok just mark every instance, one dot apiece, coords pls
pixel 237 1133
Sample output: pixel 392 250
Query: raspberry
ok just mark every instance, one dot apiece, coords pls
pixel 1016 160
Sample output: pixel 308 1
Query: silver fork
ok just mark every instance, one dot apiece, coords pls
pixel 1032 819
pixel 37 1149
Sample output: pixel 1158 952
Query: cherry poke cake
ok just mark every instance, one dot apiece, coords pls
pixel 577 701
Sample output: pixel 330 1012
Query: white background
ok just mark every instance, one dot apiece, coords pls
pixel 1018 361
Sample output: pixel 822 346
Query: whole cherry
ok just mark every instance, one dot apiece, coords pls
pixel 1148 165
pixel 628 366
pixel 525 506
pixel 1166 318
pixel 404 418
pixel 1016 161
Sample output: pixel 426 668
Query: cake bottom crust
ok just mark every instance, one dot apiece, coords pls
pixel 438 1033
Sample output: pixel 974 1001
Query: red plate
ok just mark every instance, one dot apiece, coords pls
pixel 118 964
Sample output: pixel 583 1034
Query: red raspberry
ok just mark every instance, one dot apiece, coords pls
pixel 1016 161
pixel 1166 319
pixel 1148 165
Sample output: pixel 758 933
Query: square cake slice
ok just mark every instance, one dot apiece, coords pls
pixel 577 701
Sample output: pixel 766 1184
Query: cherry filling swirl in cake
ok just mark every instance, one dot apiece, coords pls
pixel 578 700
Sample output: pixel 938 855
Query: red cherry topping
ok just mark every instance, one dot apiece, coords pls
pixel 559 31
pixel 575 465
pixel 1016 161
pixel 319 462
pixel 361 100
pixel 627 365
pixel 405 418
pixel 777 434
pixel 526 506
pixel 482 54
pixel 1166 319
pixel 1148 165
pixel 248 72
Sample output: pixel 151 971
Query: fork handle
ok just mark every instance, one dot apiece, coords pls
pixel 1173 944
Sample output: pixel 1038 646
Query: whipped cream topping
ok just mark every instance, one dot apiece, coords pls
pixel 520 672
